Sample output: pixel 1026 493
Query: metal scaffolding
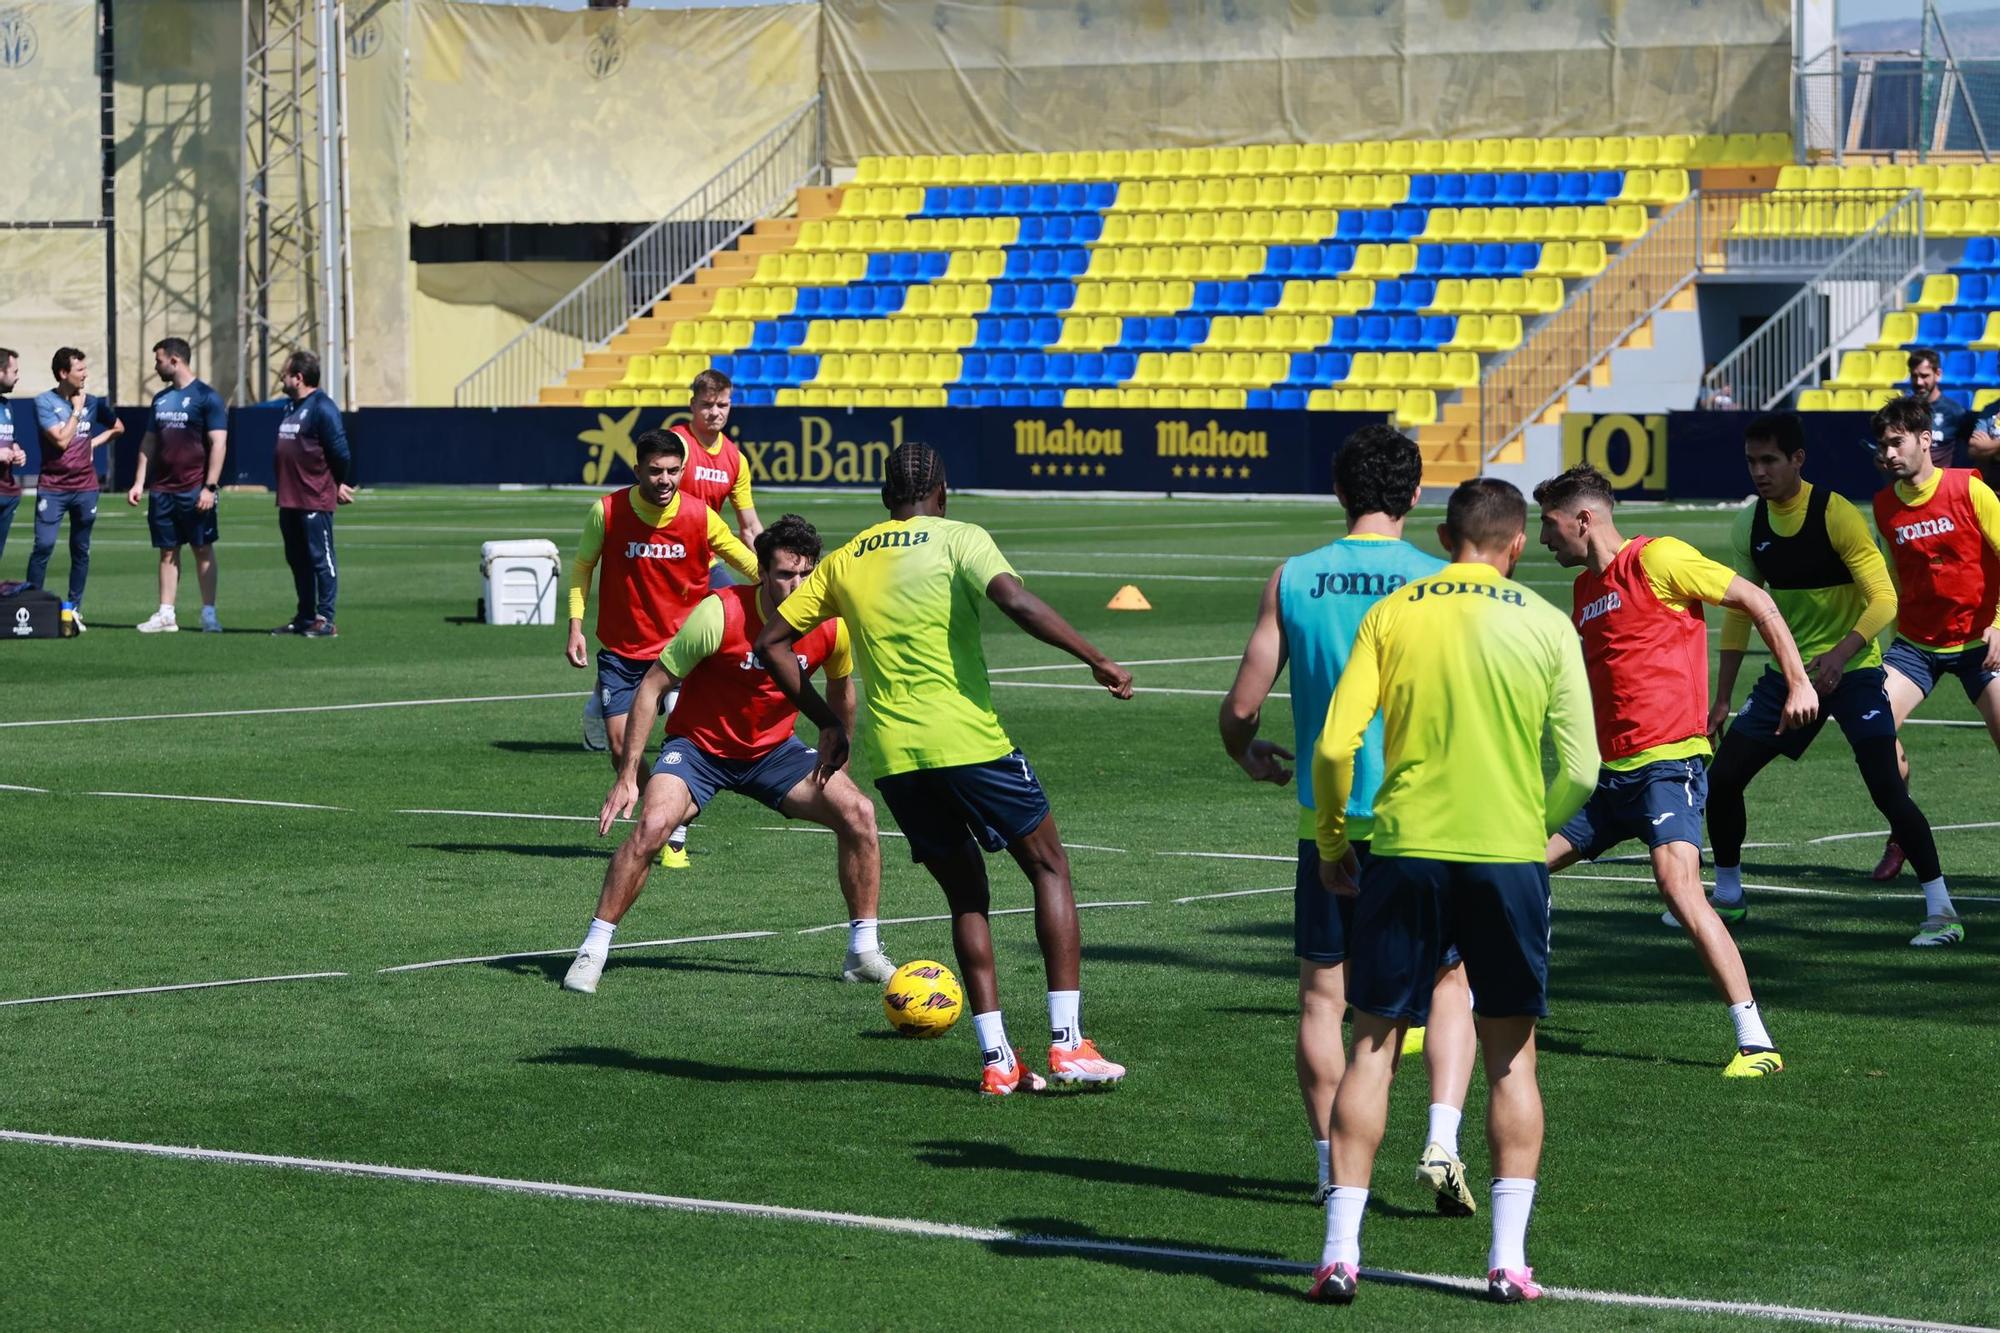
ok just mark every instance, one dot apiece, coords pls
pixel 296 281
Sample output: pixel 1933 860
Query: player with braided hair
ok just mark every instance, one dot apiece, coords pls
pixel 909 591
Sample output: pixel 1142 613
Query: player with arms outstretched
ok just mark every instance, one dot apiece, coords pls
pixel 909 590
pixel 654 543
pixel 1306 620
pixel 1637 606
pixel 1469 670
pixel 1812 550
pixel 1941 527
pixel 732 731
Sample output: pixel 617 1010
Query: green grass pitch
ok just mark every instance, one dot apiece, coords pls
pixel 1859 1180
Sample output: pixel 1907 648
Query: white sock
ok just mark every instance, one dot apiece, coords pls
pixel 599 937
pixel 1344 1208
pixel 167 610
pixel 864 935
pixel 679 837
pixel 1729 884
pixel 1065 1028
pixel 992 1036
pixel 1937 899
pixel 208 608
pixel 1444 1126
pixel 1750 1025
pixel 1325 1150
pixel 1513 1200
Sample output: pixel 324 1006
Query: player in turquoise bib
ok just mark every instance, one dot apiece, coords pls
pixel 1307 619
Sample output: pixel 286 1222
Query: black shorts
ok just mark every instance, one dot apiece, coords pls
pixel 939 810
pixel 1411 911
pixel 1659 803
pixel 176 519
pixel 1860 704
pixel 1320 919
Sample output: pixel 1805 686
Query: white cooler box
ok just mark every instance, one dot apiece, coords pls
pixel 521 579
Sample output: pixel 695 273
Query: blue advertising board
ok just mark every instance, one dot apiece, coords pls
pixel 1699 455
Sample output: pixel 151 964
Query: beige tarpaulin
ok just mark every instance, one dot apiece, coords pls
pixel 463 312
pixel 544 115
pixel 49 99
pixel 378 139
pixel 955 76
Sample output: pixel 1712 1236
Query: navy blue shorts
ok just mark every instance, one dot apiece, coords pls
pixel 174 520
pixel 1925 667
pixel 1320 920
pixel 1412 911
pixel 1658 803
pixel 1859 703
pixel 618 680
pixel 939 810
pixel 769 779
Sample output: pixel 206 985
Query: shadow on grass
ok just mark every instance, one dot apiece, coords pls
pixel 703 1071
pixel 551 970
pixel 513 849
pixel 962 1154
pixel 1261 1274
pixel 539 747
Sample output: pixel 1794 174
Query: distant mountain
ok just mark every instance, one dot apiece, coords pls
pixel 1975 35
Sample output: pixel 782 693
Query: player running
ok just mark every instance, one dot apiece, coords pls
pixel 655 545
pixel 1638 609
pixel 1941 527
pixel 732 731
pixel 1307 618
pixel 909 590
pixel 1811 548
pixel 1469 669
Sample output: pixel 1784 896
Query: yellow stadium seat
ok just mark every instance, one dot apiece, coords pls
pixel 1197 398
pixel 1461 370
pixel 1949 217
pixel 1114 164
pixel 1399 155
pixel 1416 407
pixel 1480 294
pixel 1584 153
pixel 596 398
pixel 1368 155
pixel 1899 329
pixel 1076 397
pixel 1321 400
pixel 1384 400
pixel 1104 398
pixel 1552 154
pixel 1983 218
pixel 1850 400
pixel 1533 223
pixel 1430 155
pixel 1503 333
pixel 1271 367
pixel 1954 181
pixel 1441 225
pixel 1365 369
pixel 1469 333
pixel 1815 400
pixel 1503 224
pixel 1425 368
pixel 1990 340
pixel 1391 188
pixel 1772 148
pixel 1984 399
pixel 1855 368
pixel 1449 298
pixel 638 370
pixel 1794 177
pixel 622 398
pixel 1939 290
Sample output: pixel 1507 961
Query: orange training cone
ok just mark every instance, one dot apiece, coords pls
pixel 1128 598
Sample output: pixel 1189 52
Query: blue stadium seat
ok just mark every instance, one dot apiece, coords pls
pixel 1015 398
pixel 1389 295
pixel 729 365
pixel 1059 296
pixel 1090 368
pixel 1377 331
pixel 1303 367
pixel 1492 259
pixel 1033 368
pixel 1430 262
pixel 1020 264
pixel 988 200
pixel 1544 187
pixel 1346 331
pixel 882 267
pixel 1046 398
pixel 1192 330
pixel 1020 333
pixel 1423 190
pixel 1410 222
pixel 1333 367
pixel 1378 225
pixel 961 398
pixel 1264 294
pixel 1061 368
pixel 1047 264
pixel 1981 252
pixel 1462 259
pixel 1289 400
pixel 1510 188
pixel 1032 231
pixel 764 335
pixel 1438 330
pixel 1006 298
pixel 1335 258
pixel 987 398
pixel 1606 186
pixel 1352 226
pixel 1075 261
pixel 799 369
pixel 792 332
pixel 1045 331
pixel 964 202
pixel 1975 291
pixel 1933 327
pixel 1406 333
pixel 1016 199
pixel 1043 297
pixel 1208 296
pixel 1073 197
pixel 1120 366
pixel 937 202
pixel 1086 228
pixel 1060 229
pixel 1002 368
pixel 1234 297
pixel 1574 188
pixel 1448 192
pixel 1522 256
pixel 1044 198
pixel 1966 328
pixel 1418 293
pixel 1101 195
pixel 1962 366
pixel 1987 371
pixel 1480 190
pixel 1958 396
pixel 973 367
pixel 1258 400
pixel 933 265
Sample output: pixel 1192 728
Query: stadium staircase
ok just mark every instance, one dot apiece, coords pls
pixel 1956 312
pixel 1372 277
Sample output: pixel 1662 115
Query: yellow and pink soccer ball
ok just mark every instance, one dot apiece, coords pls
pixel 923 999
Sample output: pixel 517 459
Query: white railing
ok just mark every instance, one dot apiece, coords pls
pixel 1867 277
pixel 758 183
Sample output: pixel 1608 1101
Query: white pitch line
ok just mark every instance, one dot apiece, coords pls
pixel 1883 833
pixel 509 814
pixel 1084 666
pixel 161 990
pixel 1234 893
pixel 892 833
pixel 1004 911
pixel 952 1230
pixel 213 800
pixel 9 786
pixel 305 708
pixel 1781 888
pixel 555 953
pixel 1938 722
pixel 1233 856
pixel 1136 689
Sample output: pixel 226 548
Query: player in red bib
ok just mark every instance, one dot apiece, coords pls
pixel 655 545
pixel 1638 609
pixel 732 731
pixel 1941 529
pixel 716 469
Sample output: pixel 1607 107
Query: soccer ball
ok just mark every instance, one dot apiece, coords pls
pixel 923 999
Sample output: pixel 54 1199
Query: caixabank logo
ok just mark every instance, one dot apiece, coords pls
pixel 19 43
pixel 817 453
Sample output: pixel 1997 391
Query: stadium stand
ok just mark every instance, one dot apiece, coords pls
pixel 1370 276
pixel 1957 312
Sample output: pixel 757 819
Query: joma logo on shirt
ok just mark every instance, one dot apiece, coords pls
pixel 882 539
pixel 752 662
pixel 1440 588
pixel 700 472
pixel 1930 527
pixel 1592 610
pixel 655 551
pixel 1361 585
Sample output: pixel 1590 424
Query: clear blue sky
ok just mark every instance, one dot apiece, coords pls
pixel 1870 11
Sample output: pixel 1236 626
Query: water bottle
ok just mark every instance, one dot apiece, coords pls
pixel 68 630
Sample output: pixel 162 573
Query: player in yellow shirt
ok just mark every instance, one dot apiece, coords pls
pixel 1637 607
pixel 1812 550
pixel 909 591
pixel 1469 670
